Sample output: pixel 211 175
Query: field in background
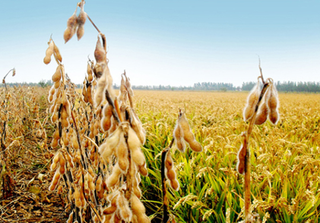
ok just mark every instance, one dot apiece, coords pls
pixel 285 158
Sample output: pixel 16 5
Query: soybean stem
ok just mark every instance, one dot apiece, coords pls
pixel 3 80
pixel 261 75
pixel 247 193
pixel 165 200
pixel 93 24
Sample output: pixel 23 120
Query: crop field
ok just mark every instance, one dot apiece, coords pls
pixel 284 158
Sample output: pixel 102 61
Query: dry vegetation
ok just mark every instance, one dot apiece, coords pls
pixel 25 158
pixel 285 158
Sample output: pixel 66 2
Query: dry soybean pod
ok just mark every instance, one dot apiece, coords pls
pixel 113 204
pixel 108 147
pixel 89 72
pixel 124 209
pixel 113 179
pixel 188 135
pixel 99 52
pixel 57 75
pixel 251 102
pixel 137 126
pixel 49 52
pixel 106 118
pixel 170 172
pixel 71 27
pixel 178 137
pixel 55 180
pixel 262 114
pixel 273 104
pixel 81 21
pixel 241 160
pixel 122 154
pixel 56 51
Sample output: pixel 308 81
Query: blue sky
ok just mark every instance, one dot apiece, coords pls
pixel 168 42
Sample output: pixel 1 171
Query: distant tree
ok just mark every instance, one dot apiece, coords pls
pixel 223 89
pixel 42 83
pixel 49 83
pixel 247 86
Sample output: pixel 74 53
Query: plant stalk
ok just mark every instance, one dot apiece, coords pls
pixel 165 216
pixel 94 25
pixel 247 170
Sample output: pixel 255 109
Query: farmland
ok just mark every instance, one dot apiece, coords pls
pixel 284 158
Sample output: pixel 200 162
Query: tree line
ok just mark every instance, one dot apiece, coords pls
pixel 286 86
pixel 289 86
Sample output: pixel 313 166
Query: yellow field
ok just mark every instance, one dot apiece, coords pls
pixel 285 158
